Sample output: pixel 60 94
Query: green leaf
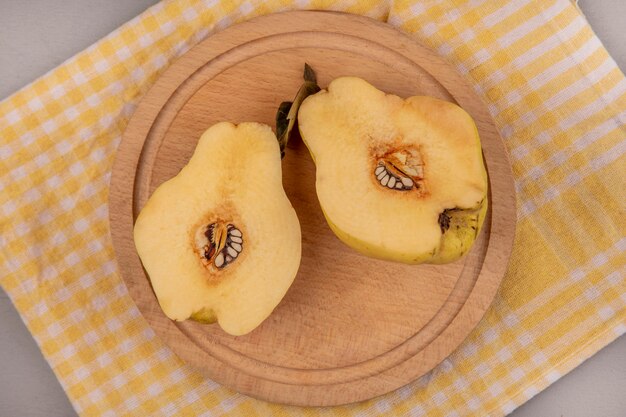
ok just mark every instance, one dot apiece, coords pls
pixel 281 118
pixel 309 74
pixel 288 111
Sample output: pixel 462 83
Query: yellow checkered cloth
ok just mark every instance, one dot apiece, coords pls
pixel 558 99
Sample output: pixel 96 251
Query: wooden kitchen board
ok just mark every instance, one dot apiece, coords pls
pixel 350 328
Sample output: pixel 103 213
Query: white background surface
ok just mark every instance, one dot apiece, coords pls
pixel 38 35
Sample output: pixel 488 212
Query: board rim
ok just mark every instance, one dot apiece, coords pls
pixel 120 203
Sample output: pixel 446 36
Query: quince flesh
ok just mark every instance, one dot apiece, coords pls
pixel 401 180
pixel 220 241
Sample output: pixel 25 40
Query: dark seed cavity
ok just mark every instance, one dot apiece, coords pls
pixel 404 167
pixel 224 244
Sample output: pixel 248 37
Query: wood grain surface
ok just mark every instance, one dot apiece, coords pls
pixel 350 328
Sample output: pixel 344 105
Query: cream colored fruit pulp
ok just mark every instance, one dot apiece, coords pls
pixel 233 175
pixel 341 126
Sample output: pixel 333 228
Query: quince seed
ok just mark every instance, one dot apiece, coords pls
pixel 219 244
pixel 219 260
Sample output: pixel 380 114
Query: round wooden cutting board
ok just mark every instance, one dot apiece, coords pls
pixel 349 328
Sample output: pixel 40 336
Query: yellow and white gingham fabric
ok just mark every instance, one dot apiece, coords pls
pixel 559 101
